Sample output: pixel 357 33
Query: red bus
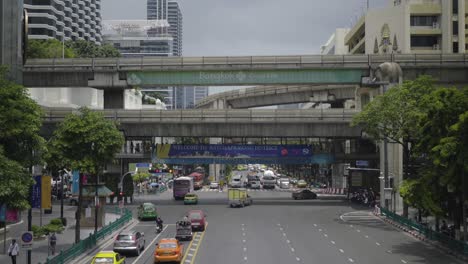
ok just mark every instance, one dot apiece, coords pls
pixel 197 180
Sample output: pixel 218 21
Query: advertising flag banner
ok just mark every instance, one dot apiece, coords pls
pixel 12 215
pixel 36 192
pixel 75 181
pixel 234 154
pixel 46 192
pixel 2 213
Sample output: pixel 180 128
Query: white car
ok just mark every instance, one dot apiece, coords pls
pixel 255 185
pixel 214 185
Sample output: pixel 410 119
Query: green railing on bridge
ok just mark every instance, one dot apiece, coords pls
pixel 88 243
pixel 447 241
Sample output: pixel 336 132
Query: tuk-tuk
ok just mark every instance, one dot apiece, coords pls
pixel 184 230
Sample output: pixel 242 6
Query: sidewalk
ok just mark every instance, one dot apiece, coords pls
pixel 40 246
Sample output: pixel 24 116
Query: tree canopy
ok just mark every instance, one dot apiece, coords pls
pixel 21 145
pixel 86 141
pixel 52 48
pixel 431 124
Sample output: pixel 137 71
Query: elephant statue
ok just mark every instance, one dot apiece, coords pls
pixel 388 72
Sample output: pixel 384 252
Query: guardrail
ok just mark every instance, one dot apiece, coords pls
pixel 214 115
pixel 453 244
pixel 146 63
pixel 77 249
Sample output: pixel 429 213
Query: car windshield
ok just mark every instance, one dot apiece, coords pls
pixel 190 195
pixel 148 207
pixel 125 237
pixel 103 260
pixel 195 216
pixel 168 245
pixel 181 183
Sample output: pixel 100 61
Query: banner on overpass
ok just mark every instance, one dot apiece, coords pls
pixel 237 154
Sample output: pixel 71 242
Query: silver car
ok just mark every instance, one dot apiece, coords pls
pixel 130 241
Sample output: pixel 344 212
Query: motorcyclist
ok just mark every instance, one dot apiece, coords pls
pixel 159 223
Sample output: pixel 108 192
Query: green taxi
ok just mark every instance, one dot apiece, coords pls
pixel 191 198
pixel 147 211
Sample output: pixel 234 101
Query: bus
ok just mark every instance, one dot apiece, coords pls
pixel 182 186
pixel 198 179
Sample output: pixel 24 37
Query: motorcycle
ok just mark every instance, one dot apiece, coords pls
pixel 159 229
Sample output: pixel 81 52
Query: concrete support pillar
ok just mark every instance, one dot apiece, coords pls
pixel 338 175
pixel 11 16
pixel 114 99
pixel 395 171
pixel 461 26
pixel 216 169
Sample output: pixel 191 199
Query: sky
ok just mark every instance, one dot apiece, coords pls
pixel 253 27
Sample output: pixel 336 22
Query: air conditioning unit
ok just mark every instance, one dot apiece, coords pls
pixel 436 47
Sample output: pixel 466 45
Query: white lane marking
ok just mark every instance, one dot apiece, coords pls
pixel 284 234
pixel 377 243
pixel 190 254
pixel 245 258
pixel 351 260
pixel 245 249
pixel 152 225
pixel 152 243
pixel 404 261
pixel 187 261
pixel 315 225
pixel 320 230
pixel 243 224
pixel 333 242
pixel 342 251
pixel 281 228
pixel 325 235
pixel 287 241
pixel 192 249
pixel 243 234
pixel 351 226
pixel 292 249
pixel 298 259
pixel 359 231
pixel 243 240
pixel 279 224
pixel 195 244
pixel 367 236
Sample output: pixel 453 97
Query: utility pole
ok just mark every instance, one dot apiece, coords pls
pixel 96 204
pixel 61 195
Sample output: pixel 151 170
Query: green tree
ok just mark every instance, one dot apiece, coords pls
pixel 87 49
pixel 48 49
pixel 20 143
pixel 395 116
pixel 86 141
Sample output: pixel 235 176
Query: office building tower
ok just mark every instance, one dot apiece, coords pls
pixel 170 11
pixel 187 97
pixel 65 19
pixel 412 26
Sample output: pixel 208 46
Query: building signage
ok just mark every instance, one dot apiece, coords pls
pixel 46 192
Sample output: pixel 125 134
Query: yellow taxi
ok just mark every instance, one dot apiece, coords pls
pixel 108 257
pixel 191 198
pixel 168 250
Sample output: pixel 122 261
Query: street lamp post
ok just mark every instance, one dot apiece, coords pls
pixel 385 170
pixel 61 195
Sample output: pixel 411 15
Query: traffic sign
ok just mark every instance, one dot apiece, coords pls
pixel 27 240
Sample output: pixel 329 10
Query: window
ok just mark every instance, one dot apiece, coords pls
pixel 455 27
pixel 423 21
pixel 455 6
pixel 455 47
pixel 424 41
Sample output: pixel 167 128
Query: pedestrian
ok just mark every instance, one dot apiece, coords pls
pixel 13 251
pixel 131 147
pixel 52 243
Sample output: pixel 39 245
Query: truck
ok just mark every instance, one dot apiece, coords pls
pixel 238 197
pixel 268 180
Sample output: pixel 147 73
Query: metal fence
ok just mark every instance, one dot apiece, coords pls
pixel 88 243
pixel 449 242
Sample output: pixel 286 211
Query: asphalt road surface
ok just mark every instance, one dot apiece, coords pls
pixel 277 229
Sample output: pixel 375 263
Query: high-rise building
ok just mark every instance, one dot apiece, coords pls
pixel 412 26
pixel 170 11
pixel 188 97
pixel 130 37
pixel 64 19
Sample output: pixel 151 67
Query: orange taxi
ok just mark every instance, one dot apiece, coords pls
pixel 168 250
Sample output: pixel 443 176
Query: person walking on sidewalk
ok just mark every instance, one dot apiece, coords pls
pixel 52 243
pixel 13 251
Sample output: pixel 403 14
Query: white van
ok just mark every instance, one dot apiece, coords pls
pixel 236 181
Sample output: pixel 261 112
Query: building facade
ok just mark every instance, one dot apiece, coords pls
pixel 188 97
pixel 336 43
pixel 412 26
pixel 64 19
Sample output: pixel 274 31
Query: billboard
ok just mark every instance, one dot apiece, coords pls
pixel 233 154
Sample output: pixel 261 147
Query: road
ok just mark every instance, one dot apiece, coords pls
pixel 277 229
